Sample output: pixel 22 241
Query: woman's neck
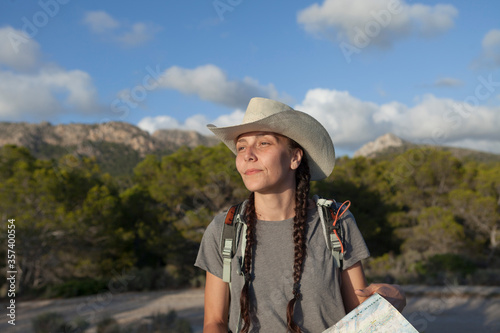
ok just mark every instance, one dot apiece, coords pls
pixel 275 206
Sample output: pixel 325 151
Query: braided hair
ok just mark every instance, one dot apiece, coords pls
pixel 251 220
pixel 302 179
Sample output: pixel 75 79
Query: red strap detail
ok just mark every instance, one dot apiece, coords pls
pixel 348 204
pixel 333 216
pixel 230 215
pixel 336 217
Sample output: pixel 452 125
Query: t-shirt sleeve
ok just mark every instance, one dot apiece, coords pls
pixel 209 255
pixel 355 246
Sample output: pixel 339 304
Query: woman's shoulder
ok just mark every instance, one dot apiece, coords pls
pixel 342 207
pixel 217 223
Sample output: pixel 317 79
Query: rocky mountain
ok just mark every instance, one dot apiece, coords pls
pixel 173 139
pixel 390 144
pixel 118 146
pixel 381 144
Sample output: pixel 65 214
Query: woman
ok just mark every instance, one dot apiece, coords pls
pixel 289 280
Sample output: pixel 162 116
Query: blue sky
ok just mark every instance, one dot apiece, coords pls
pixel 426 71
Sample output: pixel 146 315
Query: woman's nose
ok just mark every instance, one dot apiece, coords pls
pixel 249 154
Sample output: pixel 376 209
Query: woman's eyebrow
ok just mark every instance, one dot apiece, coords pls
pixel 266 134
pixel 258 135
pixel 269 134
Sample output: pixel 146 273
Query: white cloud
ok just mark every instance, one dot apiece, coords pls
pixel 448 82
pixel 431 21
pixel 352 122
pixel 151 124
pixel 195 123
pixel 376 22
pixel 484 145
pixel 210 83
pixel 491 49
pixel 100 22
pixel 47 93
pixel 139 34
pixel 236 117
pixel 17 50
pixel 347 119
pixel 42 92
pixel 491 40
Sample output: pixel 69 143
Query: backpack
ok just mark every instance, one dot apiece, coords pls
pixel 234 227
pixel 234 231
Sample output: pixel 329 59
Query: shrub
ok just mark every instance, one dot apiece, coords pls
pixel 485 277
pixel 76 287
pixel 108 325
pixel 48 322
pixel 441 268
pixel 51 322
pixel 148 278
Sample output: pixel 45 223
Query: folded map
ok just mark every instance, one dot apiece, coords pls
pixel 374 315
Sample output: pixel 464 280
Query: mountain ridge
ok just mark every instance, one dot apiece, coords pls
pixel 119 146
pixel 108 142
pixel 389 144
pixel 32 135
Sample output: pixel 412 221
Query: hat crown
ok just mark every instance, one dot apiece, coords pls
pixel 260 108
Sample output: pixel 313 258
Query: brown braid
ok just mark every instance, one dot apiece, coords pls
pixel 302 177
pixel 251 220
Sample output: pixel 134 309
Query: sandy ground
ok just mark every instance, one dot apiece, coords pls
pixel 455 309
pixel 126 308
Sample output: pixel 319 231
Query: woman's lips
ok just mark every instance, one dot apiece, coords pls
pixel 250 172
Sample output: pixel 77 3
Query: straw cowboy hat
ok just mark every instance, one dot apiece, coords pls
pixel 266 115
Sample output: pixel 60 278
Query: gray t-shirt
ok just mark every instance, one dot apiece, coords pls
pixel 271 289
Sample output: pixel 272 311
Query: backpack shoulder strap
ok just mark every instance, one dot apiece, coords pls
pixel 230 237
pixel 330 212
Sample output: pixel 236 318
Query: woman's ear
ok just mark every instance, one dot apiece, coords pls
pixel 296 158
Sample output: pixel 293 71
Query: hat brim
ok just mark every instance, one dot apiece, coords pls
pixel 296 125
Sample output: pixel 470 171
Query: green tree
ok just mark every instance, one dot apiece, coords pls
pixel 58 207
pixel 190 186
pixel 437 232
pixel 481 216
pixel 359 181
pixel 428 176
pixel 141 232
pixel 201 179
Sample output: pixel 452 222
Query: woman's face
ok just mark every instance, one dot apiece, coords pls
pixel 266 163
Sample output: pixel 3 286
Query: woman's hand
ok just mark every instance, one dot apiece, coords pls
pixel 391 292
